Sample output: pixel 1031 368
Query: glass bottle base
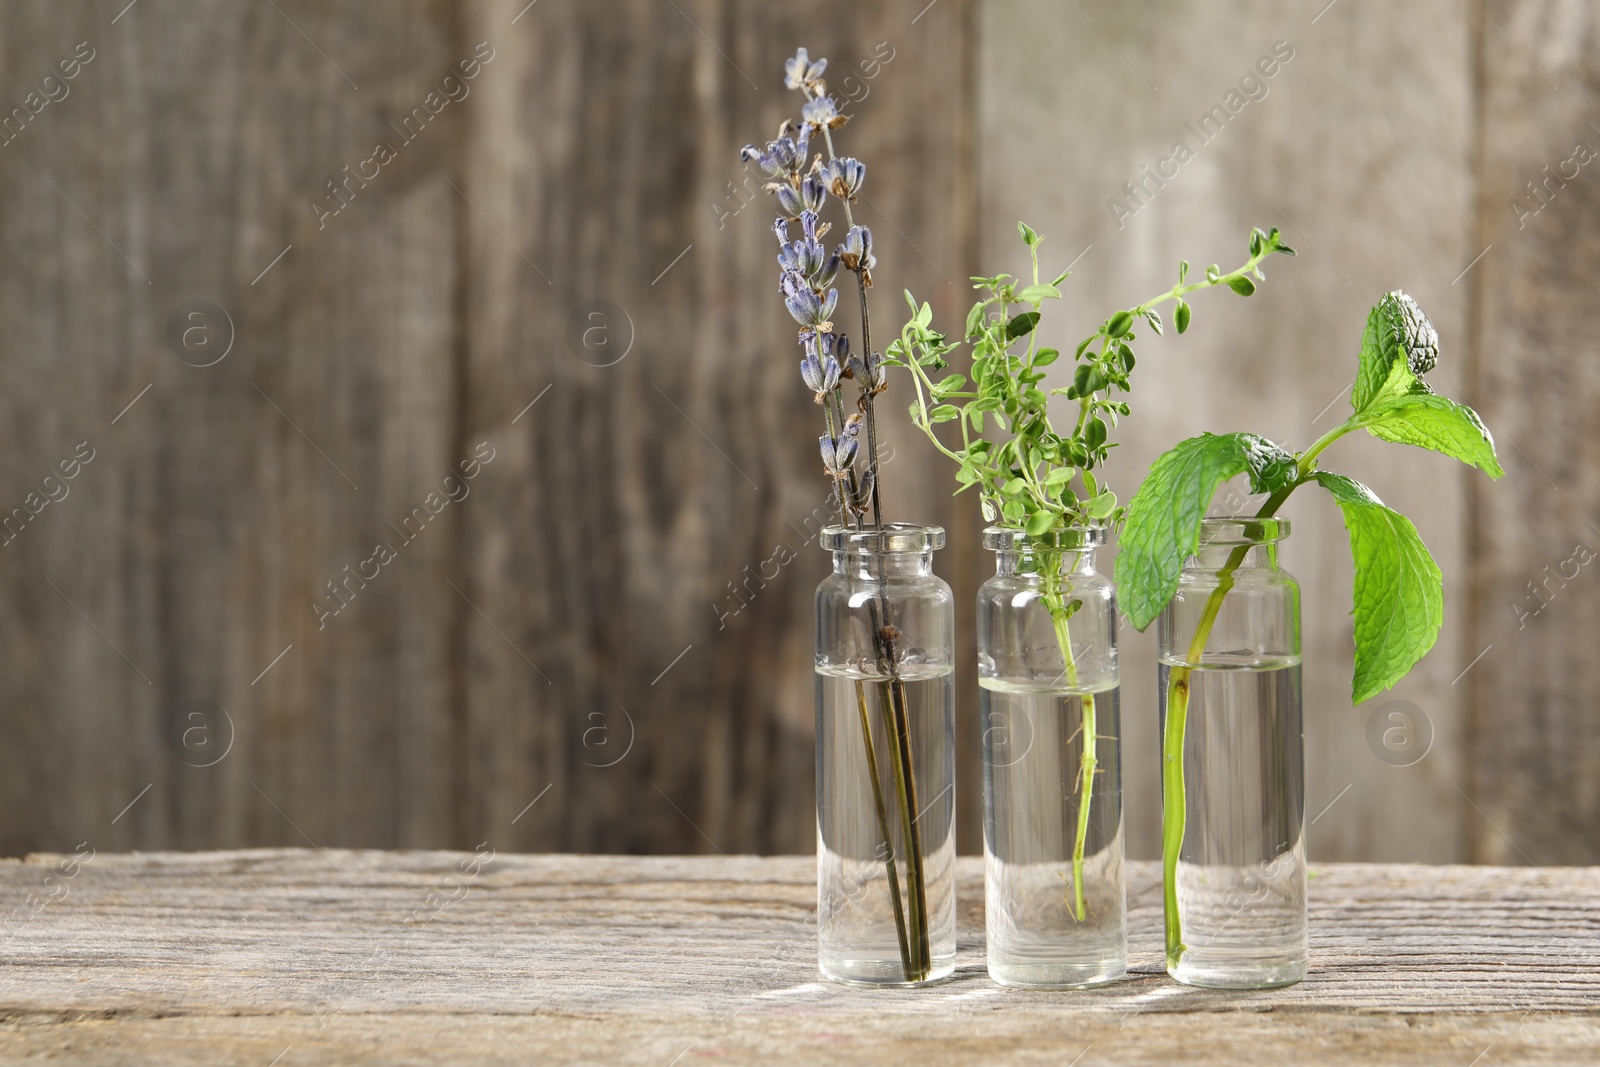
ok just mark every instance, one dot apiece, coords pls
pixel 1057 975
pixel 882 972
pixel 1237 974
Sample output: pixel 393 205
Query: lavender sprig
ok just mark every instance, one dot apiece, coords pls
pixel 802 185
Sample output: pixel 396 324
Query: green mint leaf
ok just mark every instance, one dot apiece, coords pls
pixel 1397 348
pixel 1270 466
pixel 1161 527
pixel 1399 591
pixel 1438 423
pixel 1022 325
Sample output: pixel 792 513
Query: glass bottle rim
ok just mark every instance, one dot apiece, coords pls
pixel 894 537
pixel 1072 538
pixel 1242 531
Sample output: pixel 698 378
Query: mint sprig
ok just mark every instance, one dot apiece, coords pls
pixel 1391 401
pixel 1398 594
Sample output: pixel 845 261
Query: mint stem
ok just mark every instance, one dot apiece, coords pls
pixel 1174 798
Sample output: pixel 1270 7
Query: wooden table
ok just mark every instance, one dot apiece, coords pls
pixel 293 957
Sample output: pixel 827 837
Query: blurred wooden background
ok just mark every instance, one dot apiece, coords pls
pixel 551 659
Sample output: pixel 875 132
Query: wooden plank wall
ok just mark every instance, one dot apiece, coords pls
pixel 549 661
pixel 559 627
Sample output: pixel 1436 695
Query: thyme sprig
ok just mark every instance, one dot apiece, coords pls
pixel 1029 475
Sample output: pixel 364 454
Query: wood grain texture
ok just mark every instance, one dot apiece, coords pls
pixel 343 956
pixel 563 626
pixel 1537 381
pixel 649 541
pixel 554 639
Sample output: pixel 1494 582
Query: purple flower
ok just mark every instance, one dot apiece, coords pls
pixel 789 201
pixel 857 249
pixel 837 455
pixel 765 160
pixel 783 157
pixel 822 112
pixel 867 369
pixel 804 304
pixel 827 272
pixel 820 372
pixel 805 256
pixel 800 69
pixel 781 228
pixel 812 193
pixel 844 176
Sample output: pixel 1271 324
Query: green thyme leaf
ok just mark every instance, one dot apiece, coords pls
pixel 1040 522
pixel 1399 591
pixel 1181 316
pixel 1242 285
pixel 1438 423
pixel 1022 325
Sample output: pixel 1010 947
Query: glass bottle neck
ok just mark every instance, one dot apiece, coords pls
pixel 1067 563
pixel 872 566
pixel 1212 557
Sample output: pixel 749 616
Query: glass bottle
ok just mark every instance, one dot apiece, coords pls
pixel 1054 893
pixel 1233 767
pixel 886 902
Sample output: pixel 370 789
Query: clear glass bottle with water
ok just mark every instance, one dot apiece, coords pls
pixel 886 901
pixel 1233 767
pixel 1055 898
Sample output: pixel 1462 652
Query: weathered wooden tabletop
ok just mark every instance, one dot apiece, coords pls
pixel 293 957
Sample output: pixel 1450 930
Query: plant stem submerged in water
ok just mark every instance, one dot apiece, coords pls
pixel 1173 795
pixel 1060 614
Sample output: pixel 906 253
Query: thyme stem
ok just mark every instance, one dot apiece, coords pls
pixel 1050 564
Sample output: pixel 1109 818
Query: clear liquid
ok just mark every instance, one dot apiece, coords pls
pixel 1032 756
pixel 857 934
pixel 1241 883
